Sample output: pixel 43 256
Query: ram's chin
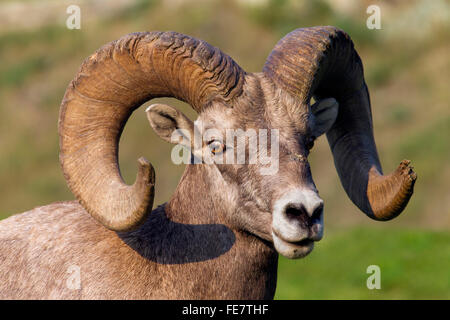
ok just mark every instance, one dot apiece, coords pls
pixel 292 250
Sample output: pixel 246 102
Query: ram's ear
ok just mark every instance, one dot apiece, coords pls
pixel 170 124
pixel 325 112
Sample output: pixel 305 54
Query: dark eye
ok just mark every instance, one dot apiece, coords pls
pixel 216 147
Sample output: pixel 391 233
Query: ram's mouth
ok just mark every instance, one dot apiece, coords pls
pixel 292 250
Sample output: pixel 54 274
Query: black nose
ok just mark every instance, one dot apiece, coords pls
pixel 299 213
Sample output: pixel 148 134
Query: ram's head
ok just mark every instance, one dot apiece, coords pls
pixel 277 202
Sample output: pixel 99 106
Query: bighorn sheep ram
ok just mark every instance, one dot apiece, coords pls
pixel 220 234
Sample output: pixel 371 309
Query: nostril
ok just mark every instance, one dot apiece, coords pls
pixel 297 213
pixel 306 216
pixel 317 212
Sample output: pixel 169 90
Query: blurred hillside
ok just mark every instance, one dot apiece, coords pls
pixel 407 69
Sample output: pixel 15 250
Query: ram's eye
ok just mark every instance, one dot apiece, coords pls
pixel 216 147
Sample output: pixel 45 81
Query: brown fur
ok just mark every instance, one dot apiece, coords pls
pixel 39 246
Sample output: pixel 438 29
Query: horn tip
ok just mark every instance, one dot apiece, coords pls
pixel 406 169
pixel 146 171
pixel 395 190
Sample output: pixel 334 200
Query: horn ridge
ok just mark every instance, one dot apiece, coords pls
pixel 109 86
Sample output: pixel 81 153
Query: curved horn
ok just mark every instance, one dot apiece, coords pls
pixel 109 86
pixel 322 62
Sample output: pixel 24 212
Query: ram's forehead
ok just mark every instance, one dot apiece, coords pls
pixel 290 120
pixel 216 116
pixel 279 117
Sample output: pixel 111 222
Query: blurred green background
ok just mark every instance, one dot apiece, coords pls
pixel 407 69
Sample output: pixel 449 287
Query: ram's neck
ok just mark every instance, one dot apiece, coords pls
pixel 195 200
pixel 192 229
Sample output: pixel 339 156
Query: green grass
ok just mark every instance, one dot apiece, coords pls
pixel 413 264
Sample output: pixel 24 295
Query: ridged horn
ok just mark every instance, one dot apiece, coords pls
pixel 321 62
pixel 110 85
